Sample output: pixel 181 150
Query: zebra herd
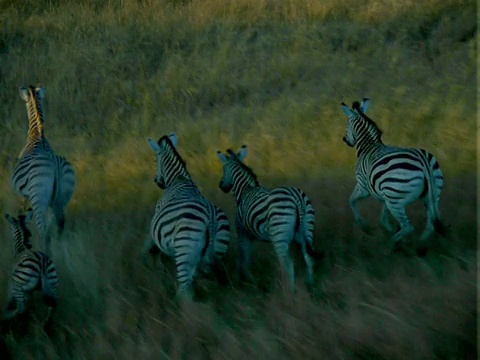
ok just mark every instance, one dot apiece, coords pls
pixel 193 230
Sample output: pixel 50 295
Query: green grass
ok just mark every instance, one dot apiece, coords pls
pixel 269 74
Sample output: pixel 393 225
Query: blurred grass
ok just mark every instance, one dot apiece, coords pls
pixel 269 74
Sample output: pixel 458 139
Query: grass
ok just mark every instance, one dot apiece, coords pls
pixel 269 74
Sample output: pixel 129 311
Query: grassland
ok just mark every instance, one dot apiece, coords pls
pixel 269 74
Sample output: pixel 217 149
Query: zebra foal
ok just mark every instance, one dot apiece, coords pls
pixel 33 270
pixel 281 215
pixel 42 177
pixel 185 226
pixel 395 176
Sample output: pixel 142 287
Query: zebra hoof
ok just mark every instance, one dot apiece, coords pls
pixel 367 229
pixel 422 251
pixel 397 248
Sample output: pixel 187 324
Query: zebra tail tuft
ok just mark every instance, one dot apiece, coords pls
pixel 440 227
pixel 317 255
pixel 220 272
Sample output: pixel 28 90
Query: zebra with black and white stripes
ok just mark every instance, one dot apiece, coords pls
pixel 185 226
pixel 42 177
pixel 395 176
pixel 33 270
pixel 281 215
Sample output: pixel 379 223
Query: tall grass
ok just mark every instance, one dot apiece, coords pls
pixel 269 74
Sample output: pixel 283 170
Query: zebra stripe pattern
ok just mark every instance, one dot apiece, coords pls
pixel 395 176
pixel 185 225
pixel 279 215
pixel 40 176
pixel 33 270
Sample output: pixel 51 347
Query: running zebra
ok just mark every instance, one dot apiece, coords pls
pixel 40 176
pixel 33 270
pixel 395 176
pixel 279 215
pixel 185 225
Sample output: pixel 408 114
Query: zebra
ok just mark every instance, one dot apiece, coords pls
pixel 185 226
pixel 42 177
pixel 279 215
pixel 33 270
pixel 395 176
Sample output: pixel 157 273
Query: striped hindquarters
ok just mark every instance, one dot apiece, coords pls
pixel 36 170
pixel 181 221
pixel 267 213
pixel 402 172
pixel 35 270
pixel 44 174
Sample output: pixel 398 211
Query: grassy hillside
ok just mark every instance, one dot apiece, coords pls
pixel 269 74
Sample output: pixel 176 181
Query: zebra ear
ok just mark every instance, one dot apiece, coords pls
pixel 346 109
pixel 173 139
pixel 8 217
pixel 40 91
pixel 364 105
pixel 153 144
pixel 222 156
pixel 24 93
pixel 242 153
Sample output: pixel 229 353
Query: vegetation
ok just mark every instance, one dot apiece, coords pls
pixel 269 74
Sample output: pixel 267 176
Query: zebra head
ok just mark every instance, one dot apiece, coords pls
pixel 354 120
pixel 20 231
pixel 232 166
pixel 33 97
pixel 169 163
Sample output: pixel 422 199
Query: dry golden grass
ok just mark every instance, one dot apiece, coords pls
pixel 270 74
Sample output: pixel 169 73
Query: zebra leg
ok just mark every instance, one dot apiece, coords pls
pixel 40 209
pixel 399 212
pixel 429 229
pixel 282 249
pixel 149 247
pixel 49 291
pixel 309 263
pixel 11 309
pixel 186 263
pixel 359 193
pixel 244 252
pixel 302 242
pixel 59 213
pixel 21 298
pixel 385 221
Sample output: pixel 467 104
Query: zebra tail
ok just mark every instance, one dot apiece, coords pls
pixel 438 225
pixel 308 218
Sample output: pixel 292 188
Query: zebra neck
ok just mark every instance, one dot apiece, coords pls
pixel 19 247
pixel 35 130
pixel 35 123
pixel 20 251
pixel 240 187
pixel 367 147
pixel 34 144
pixel 179 178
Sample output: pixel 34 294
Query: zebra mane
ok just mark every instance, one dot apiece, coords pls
pixel 167 140
pixel 249 171
pixel 26 231
pixel 19 226
pixel 370 122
